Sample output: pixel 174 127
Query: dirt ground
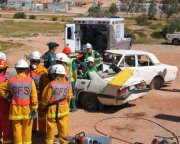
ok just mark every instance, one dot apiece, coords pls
pixel 161 106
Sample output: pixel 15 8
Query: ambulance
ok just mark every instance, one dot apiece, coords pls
pixel 102 33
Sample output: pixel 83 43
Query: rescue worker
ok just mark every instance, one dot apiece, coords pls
pixel 3 56
pixel 49 56
pixel 56 100
pixel 5 124
pixel 90 67
pixel 92 53
pixel 39 74
pixel 73 77
pixel 24 103
pixel 81 69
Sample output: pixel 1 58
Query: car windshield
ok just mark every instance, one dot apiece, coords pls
pixel 111 58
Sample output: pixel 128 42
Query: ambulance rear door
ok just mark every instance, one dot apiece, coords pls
pixel 70 36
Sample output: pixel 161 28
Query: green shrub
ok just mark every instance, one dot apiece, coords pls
pixel 19 15
pixel 155 26
pixel 173 26
pixel 140 33
pixel 142 20
pixel 157 35
pixel 54 18
pixel 32 17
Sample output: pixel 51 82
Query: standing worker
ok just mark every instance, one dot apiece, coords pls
pixel 56 99
pixel 73 74
pixel 49 55
pixel 92 53
pixel 24 103
pixel 39 74
pixel 5 123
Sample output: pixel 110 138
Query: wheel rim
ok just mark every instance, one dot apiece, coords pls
pixel 90 102
pixel 157 83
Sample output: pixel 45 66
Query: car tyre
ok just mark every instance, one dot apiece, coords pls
pixel 156 83
pixel 175 41
pixel 89 101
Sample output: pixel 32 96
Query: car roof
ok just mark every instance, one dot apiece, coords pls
pixel 135 52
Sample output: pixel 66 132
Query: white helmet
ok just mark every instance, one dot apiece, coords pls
pixel 21 64
pixel 58 69
pixel 3 56
pixel 90 59
pixel 88 45
pixel 61 57
pixel 35 55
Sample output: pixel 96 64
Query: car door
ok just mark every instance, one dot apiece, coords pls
pixel 145 68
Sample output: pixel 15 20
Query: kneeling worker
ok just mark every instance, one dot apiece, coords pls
pixel 56 99
pixel 90 67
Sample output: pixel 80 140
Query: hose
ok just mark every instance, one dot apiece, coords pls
pixel 96 124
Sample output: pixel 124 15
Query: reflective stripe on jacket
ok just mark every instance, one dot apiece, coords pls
pixel 59 90
pixel 20 89
pixel 36 77
pixel 71 70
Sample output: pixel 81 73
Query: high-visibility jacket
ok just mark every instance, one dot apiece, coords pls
pixel 93 54
pixel 59 88
pixel 71 72
pixel 24 96
pixel 20 90
pixel 39 75
pixel 4 105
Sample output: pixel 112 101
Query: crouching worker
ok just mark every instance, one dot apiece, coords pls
pixel 56 98
pixel 5 123
pixel 24 103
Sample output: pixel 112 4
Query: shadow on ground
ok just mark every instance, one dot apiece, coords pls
pixel 170 90
pixel 112 109
pixel 168 117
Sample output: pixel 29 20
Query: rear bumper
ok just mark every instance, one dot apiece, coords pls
pixel 119 100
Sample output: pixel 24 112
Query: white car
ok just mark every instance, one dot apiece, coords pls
pixel 174 38
pixel 146 65
pixel 109 88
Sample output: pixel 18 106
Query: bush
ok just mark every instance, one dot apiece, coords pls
pixel 113 8
pixel 32 17
pixel 142 20
pixel 173 26
pixel 54 18
pixel 156 26
pixel 19 15
pixel 157 35
pixel 140 33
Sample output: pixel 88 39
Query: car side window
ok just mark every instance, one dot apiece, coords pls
pixel 143 60
pixel 128 61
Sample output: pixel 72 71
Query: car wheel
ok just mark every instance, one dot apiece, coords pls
pixel 89 101
pixel 175 41
pixel 156 83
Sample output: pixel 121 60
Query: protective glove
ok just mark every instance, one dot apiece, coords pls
pixel 33 114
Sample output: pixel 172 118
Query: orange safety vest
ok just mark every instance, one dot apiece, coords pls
pixel 59 91
pixel 20 89
pixel 36 77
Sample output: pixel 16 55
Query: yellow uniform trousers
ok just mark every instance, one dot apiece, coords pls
pixel 63 128
pixel 22 130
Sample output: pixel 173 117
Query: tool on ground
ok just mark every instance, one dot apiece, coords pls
pixel 82 138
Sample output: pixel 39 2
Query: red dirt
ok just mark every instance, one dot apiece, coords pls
pixel 155 104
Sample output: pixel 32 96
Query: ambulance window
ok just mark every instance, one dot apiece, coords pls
pixel 69 33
